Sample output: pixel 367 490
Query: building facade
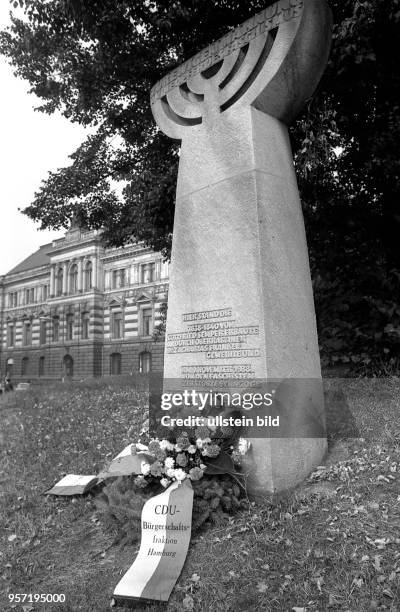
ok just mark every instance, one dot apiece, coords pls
pixel 75 309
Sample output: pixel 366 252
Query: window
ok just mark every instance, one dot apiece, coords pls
pixel 116 325
pixel 29 295
pixel 85 325
pixel 68 366
pixel 118 278
pixel 88 276
pixel 148 272
pixel 45 292
pixel 27 333
pixel 115 364
pixel 24 366
pixel 70 326
pixel 56 329
pixel 73 279
pixel 41 366
pixel 146 321
pixel 10 335
pixel 145 362
pixel 43 332
pixel 13 299
pixel 59 282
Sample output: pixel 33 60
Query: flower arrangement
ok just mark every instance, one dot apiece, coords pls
pixel 189 455
pixel 211 459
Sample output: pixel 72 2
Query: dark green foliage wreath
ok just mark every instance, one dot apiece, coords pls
pixel 119 505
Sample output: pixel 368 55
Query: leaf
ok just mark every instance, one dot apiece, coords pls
pixel 12 537
pixel 382 542
pixel 377 563
pixel 223 464
pixel 262 587
pixel 188 603
pixel 332 600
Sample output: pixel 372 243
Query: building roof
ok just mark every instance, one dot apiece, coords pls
pixel 36 260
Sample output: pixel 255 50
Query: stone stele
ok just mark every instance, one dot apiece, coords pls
pixel 240 300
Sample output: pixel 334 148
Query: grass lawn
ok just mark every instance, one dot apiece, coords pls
pixel 333 544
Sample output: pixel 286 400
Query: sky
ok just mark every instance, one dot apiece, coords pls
pixel 31 144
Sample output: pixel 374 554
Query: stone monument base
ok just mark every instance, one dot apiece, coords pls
pixel 282 463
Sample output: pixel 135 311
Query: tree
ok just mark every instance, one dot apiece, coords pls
pixel 96 62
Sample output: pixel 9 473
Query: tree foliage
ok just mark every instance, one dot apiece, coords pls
pixel 96 62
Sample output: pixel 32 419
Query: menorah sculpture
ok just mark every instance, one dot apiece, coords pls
pixel 240 299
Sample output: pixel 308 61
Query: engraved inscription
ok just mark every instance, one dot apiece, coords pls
pixel 216 339
pixel 266 20
pixel 207 314
pixel 234 371
pixel 230 354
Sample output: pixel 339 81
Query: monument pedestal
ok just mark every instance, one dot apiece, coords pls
pixel 240 248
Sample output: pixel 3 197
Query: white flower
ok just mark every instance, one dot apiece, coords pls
pixel 200 443
pixel 170 472
pixel 141 447
pixel 166 445
pixel 178 448
pixel 169 462
pixel 243 446
pixel 164 482
pixel 202 466
pixel 180 475
pixel 145 468
pixel 191 450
